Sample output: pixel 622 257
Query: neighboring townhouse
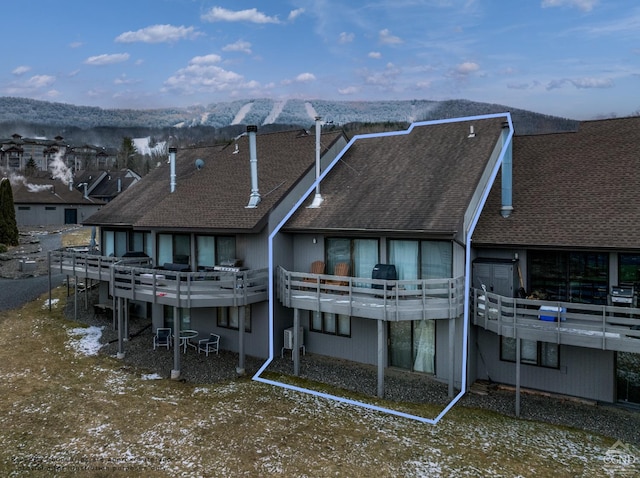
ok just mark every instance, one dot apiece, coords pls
pixel 374 265
pixel 571 246
pixel 105 185
pixel 197 229
pixel 17 152
pixel 47 202
pixel 90 157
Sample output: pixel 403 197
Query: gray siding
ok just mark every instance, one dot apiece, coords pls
pixel 361 347
pixel 585 373
pixel 38 215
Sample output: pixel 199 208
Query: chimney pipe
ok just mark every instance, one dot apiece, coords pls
pixel 317 199
pixel 86 195
pixel 172 163
pixel 507 174
pixel 254 198
pixel 120 185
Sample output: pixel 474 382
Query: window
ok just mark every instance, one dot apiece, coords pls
pixel 328 323
pixel 141 242
pixel 24 208
pixel 174 248
pixel 114 243
pixel 542 354
pixel 212 250
pixel 49 208
pixel 227 317
pixel 360 254
pixel 184 315
pixel 629 270
pixel 580 277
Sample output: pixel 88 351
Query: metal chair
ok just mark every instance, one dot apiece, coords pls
pixel 209 345
pixel 162 338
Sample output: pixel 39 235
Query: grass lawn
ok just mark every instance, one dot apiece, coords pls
pixel 66 413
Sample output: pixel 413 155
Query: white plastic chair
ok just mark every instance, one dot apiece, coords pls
pixel 162 338
pixel 209 345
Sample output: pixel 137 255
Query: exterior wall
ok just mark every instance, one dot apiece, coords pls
pixel 585 373
pixel 38 215
pixel 361 347
pixel 442 351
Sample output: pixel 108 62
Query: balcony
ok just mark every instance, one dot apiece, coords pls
pixel 134 279
pixel 391 300
pixel 602 327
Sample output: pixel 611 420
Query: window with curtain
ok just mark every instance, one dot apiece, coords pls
pixel 205 251
pixel 360 254
pixel 331 324
pixel 227 317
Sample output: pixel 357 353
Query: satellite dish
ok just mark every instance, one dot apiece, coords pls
pixel 199 163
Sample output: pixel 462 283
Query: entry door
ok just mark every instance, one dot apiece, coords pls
pixel 628 377
pixel 400 340
pixel 71 216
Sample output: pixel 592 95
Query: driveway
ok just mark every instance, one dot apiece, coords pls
pixel 16 292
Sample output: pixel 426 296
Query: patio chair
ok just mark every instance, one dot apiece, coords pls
pixel 341 269
pixel 209 345
pixel 317 267
pixel 162 338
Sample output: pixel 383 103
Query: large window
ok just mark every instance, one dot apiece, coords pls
pixel 360 254
pixel 421 259
pixel 228 318
pixel 114 243
pixel 184 316
pixel 542 354
pixel 580 277
pixel 214 250
pixel 328 323
pixel 174 248
pixel 629 270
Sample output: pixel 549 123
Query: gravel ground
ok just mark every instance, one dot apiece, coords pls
pixel 614 421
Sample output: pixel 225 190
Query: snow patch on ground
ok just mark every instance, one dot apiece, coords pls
pixel 242 113
pixel 278 106
pixel 53 303
pixel 86 340
pixel 151 376
pixel 142 146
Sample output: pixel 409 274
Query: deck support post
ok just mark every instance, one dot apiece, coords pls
pixel 118 312
pixel 518 376
pixel 240 369
pixel 296 342
pixel 382 354
pixel 452 356
pixel 75 298
pixel 175 373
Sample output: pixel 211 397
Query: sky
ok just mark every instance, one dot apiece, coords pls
pixel 578 59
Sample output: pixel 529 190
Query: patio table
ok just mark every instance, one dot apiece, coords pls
pixel 185 336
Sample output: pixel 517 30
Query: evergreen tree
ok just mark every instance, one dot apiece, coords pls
pixel 30 168
pixel 8 225
pixel 128 154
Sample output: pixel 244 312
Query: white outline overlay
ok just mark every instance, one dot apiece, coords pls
pixel 472 226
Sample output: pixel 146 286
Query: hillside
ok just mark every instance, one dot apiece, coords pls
pixel 41 118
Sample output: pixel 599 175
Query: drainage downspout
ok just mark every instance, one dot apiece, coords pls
pixel 172 164
pixel 254 198
pixel 317 200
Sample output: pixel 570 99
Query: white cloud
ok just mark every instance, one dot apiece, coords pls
pixel 467 68
pixel 75 44
pixel 293 14
pixel 40 81
pixel 301 78
pixel 385 78
pixel 158 34
pixel 125 80
pixel 349 90
pixel 252 15
pixel 241 46
pixel 209 59
pixel 584 5
pixel 376 55
pixel 387 38
pixel 21 70
pixel 202 75
pixel 107 59
pixel 345 38
pixel 581 83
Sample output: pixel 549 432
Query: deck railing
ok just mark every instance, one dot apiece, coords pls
pixel 190 289
pixel 133 278
pixel 604 327
pixel 372 298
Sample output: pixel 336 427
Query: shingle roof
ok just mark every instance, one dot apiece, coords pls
pixel 214 197
pixel 422 181
pixel 47 191
pixel 574 190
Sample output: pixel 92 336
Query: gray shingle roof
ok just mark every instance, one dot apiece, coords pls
pixel 573 190
pixel 35 190
pixel 214 197
pixel 422 181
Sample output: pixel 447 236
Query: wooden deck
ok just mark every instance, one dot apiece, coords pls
pixel 134 279
pixel 372 298
pixel 593 326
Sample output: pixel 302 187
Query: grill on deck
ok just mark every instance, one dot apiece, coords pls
pixel 622 296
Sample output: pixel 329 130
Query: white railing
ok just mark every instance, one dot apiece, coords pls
pixel 595 326
pixel 372 298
